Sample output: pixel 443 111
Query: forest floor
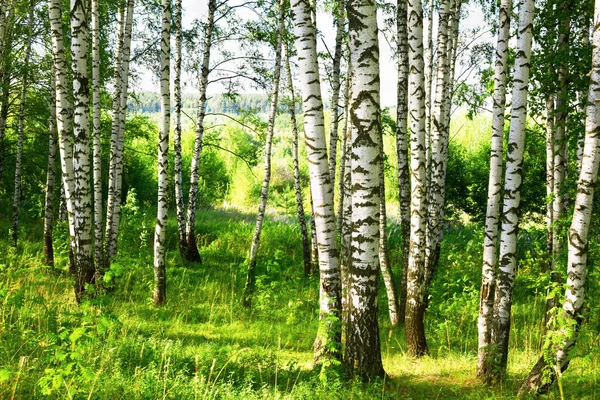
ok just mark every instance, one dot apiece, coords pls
pixel 203 345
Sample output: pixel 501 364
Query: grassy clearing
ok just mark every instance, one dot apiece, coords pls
pixel 202 344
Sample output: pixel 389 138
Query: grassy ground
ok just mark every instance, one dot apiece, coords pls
pixel 203 345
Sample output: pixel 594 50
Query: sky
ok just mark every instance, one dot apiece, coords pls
pixel 193 9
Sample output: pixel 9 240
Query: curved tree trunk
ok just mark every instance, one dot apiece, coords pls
pixel 84 256
pixel 543 374
pixel 20 132
pixel 297 183
pixel 98 246
pixel 191 249
pixel 512 192
pixel 363 353
pixel 179 204
pixel 415 297
pixel 490 237
pixel 402 150
pixel 160 232
pixel 327 343
pixel 264 194
pixel 50 175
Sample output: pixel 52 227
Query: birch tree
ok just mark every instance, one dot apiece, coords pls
pixel 160 232
pixel 297 183
pixel 117 141
pixel 84 259
pixel 512 191
pixel 179 204
pixel 5 75
pixel 327 343
pixel 21 129
pixel 97 159
pixel 252 259
pixel 415 296
pixel 335 87
pixel 363 352
pixel 490 237
pixel 50 175
pixel 560 342
pixel 191 249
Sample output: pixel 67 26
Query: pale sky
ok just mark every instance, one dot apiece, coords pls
pixel 193 9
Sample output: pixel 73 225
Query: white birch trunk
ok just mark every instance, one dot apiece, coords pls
pixel 512 191
pixel 328 337
pixel 335 88
pixel 543 375
pixel 82 205
pixel 50 175
pixel 179 204
pixel 160 232
pixel 415 296
pixel 363 352
pixel 297 182
pixel 402 139
pixel 264 194
pixel 492 219
pixel 192 253
pixel 98 245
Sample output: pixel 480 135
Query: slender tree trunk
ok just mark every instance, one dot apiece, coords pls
pixel 415 297
pixel 435 200
pixel 50 176
pixel 543 374
pixel 264 194
pixel 335 88
pixel 62 210
pixel 314 248
pixel 21 131
pixel 113 208
pixel 363 353
pixel 327 343
pixel 297 182
pixel 492 219
pixel 384 263
pixel 192 253
pixel 98 245
pixel 549 175
pixel 512 191
pixel 346 217
pixel 560 148
pixel 180 206
pixel 402 139
pixel 84 267
pixel 160 232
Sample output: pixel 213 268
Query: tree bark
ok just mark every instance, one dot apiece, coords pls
pixel 327 343
pixel 50 176
pixel 160 232
pixel 96 132
pixel 21 131
pixel 335 88
pixel 84 267
pixel 429 57
pixel 512 192
pixel 179 202
pixel 192 253
pixel 264 194
pixel 297 182
pixel 415 297
pixel 363 353
pixel 5 65
pixel 557 357
pixel 492 219
pixel 402 139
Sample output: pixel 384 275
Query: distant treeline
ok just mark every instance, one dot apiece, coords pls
pixel 149 102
